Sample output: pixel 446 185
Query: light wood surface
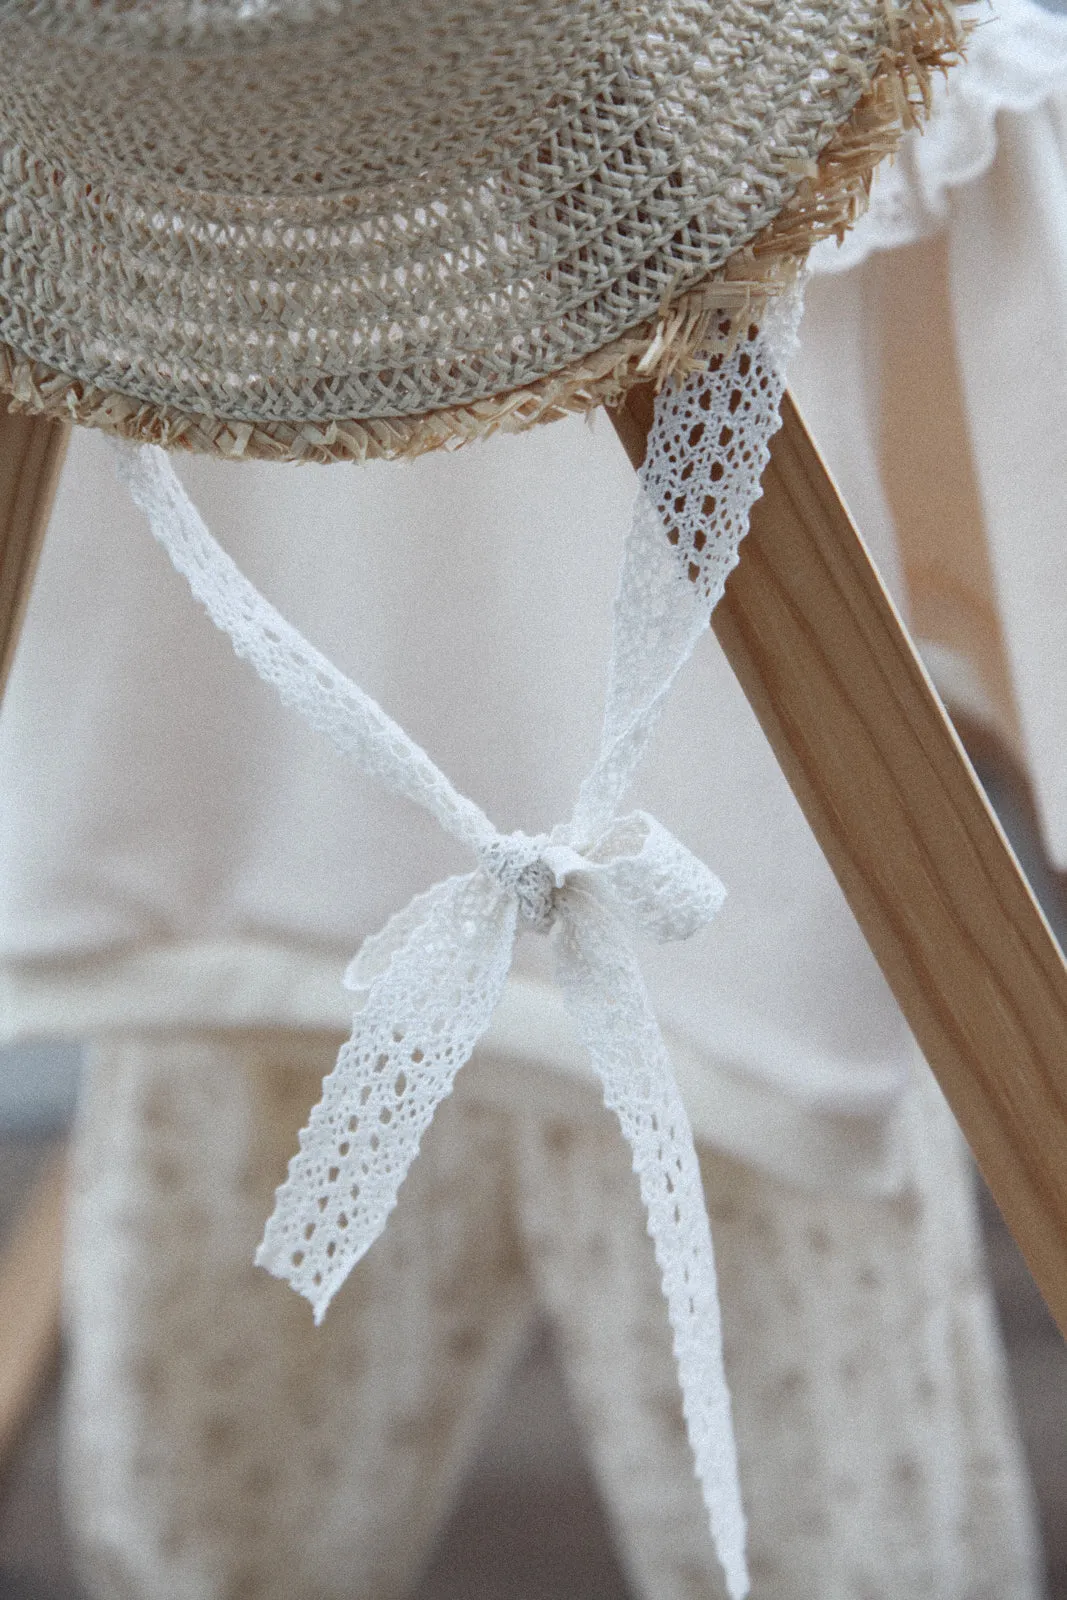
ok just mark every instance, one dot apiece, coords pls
pixel 870 755
pixel 31 455
pixel 30 1288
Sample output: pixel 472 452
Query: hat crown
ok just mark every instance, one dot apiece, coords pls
pixel 285 213
pixel 175 26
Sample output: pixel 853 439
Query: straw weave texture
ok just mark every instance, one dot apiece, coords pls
pixel 368 227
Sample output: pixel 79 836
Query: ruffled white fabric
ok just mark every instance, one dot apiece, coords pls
pixel 426 987
pixel 1016 58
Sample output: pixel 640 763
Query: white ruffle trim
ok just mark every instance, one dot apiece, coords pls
pixel 1016 59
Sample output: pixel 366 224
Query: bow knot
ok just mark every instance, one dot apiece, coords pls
pixel 658 886
pixel 517 862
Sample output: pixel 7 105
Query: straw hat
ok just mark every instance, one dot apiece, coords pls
pixel 351 228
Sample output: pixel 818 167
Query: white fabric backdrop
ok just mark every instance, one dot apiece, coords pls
pixel 180 850
pixel 175 849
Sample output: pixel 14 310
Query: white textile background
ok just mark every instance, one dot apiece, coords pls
pixel 934 373
pixel 178 850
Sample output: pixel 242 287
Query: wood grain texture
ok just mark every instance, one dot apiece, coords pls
pixel 890 795
pixel 31 1271
pixel 31 455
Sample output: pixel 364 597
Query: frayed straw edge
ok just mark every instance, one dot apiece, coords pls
pixel 707 319
pixel 925 37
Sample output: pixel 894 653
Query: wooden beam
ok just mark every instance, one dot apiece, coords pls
pixel 31 456
pixel 890 795
pixel 31 1274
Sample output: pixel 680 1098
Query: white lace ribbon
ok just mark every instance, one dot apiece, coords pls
pixel 426 986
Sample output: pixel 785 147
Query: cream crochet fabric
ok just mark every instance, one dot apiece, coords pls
pixel 220 1447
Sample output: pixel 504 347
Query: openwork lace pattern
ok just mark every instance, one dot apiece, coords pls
pixel 709 444
pixel 425 988
pixel 218 1445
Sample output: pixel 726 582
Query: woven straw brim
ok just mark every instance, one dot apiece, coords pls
pixel 888 94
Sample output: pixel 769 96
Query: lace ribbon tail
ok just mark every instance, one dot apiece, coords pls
pixel 301 675
pixel 605 993
pixel 708 446
pixel 430 986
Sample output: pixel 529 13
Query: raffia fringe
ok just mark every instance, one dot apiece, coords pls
pixel 925 37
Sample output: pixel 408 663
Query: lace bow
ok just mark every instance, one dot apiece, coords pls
pixel 426 986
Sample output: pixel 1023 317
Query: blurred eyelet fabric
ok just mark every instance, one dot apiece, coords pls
pixel 185 870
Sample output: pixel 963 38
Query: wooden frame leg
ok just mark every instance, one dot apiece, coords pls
pixel 31 456
pixel 31 1284
pixel 890 795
